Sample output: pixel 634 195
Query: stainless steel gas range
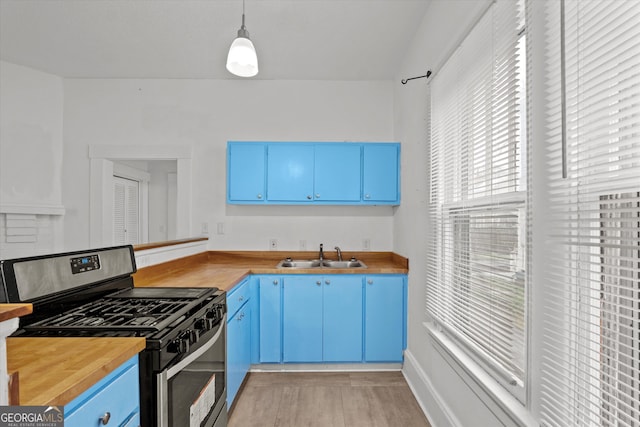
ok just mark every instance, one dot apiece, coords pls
pixel 91 294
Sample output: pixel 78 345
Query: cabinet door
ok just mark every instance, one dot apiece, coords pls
pixel 238 350
pixel 337 173
pixel 118 393
pixel 255 319
pixel 381 177
pixel 384 318
pixel 270 317
pixel 245 172
pixel 302 319
pixel 234 349
pixel 342 325
pixel 290 172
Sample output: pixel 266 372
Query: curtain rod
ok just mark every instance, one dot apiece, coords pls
pixel 404 81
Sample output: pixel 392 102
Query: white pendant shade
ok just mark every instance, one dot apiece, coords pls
pixel 242 59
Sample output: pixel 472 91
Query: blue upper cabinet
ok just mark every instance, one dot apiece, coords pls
pixel 338 170
pixel 289 173
pixel 246 172
pixel 381 177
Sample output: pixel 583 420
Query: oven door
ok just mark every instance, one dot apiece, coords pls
pixel 192 392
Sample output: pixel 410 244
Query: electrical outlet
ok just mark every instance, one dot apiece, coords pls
pixel 220 227
pixel 205 228
pixel 273 244
pixel 366 244
pixel 303 245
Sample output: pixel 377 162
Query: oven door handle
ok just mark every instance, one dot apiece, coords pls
pixel 171 372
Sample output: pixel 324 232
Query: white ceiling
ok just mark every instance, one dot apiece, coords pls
pixel 295 39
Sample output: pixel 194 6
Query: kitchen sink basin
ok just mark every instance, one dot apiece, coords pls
pixel 343 264
pixel 316 263
pixel 299 263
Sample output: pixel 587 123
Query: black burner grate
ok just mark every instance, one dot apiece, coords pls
pixel 119 314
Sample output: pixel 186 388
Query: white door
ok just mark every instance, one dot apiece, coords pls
pixel 126 211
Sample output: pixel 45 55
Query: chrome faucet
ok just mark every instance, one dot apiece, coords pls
pixel 321 255
pixel 339 253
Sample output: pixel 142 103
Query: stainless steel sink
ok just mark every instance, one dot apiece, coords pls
pixel 316 263
pixel 343 264
pixel 299 263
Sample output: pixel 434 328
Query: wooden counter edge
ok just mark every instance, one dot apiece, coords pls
pixel 9 311
pixel 147 275
pixel 68 393
pixel 146 246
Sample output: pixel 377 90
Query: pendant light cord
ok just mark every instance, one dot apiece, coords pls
pixel 243 14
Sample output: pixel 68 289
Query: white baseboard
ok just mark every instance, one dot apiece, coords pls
pixel 325 367
pixel 432 404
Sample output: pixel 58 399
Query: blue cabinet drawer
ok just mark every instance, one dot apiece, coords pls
pixel 118 395
pixel 237 297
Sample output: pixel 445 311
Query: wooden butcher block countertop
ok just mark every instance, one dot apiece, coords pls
pixel 226 269
pixel 54 371
pixel 10 311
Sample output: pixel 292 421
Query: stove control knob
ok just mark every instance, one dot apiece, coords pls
pixel 203 324
pixel 180 345
pixel 194 335
pixel 214 315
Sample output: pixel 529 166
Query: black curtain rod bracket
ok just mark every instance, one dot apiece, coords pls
pixel 404 81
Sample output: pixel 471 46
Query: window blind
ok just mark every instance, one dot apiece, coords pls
pixel 591 355
pixel 477 242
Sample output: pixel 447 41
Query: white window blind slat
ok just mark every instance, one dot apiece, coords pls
pixel 591 356
pixel 477 254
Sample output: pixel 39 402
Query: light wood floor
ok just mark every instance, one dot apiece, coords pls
pixel 326 399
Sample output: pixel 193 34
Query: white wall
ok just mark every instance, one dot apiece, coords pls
pixel 30 136
pixel 204 115
pixel 31 108
pixel 448 397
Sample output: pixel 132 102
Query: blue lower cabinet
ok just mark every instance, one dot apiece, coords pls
pixel 342 319
pixel 385 318
pixel 239 341
pixel 332 318
pixel 115 399
pixel 302 319
pixel 238 350
pixel 270 324
pixel 322 318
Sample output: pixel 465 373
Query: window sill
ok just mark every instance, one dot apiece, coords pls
pixel 507 408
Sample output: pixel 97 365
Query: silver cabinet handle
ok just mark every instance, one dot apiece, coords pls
pixel 105 418
pixel 317 195
pixel 370 282
pixel 367 196
pixel 241 298
pixel 259 196
pixel 328 282
pixel 309 197
pixel 275 282
pixel 318 283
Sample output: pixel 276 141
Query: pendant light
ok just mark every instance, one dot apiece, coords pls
pixel 242 59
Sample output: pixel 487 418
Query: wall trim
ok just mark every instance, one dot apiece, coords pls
pixel 325 367
pixel 425 392
pixel 503 405
pixel 136 152
pixel 14 208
